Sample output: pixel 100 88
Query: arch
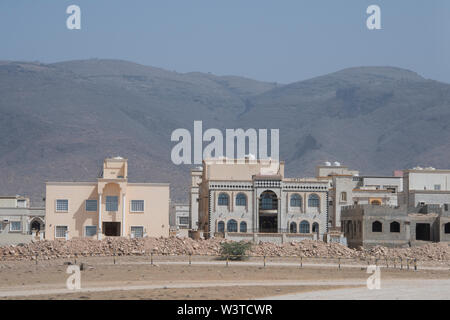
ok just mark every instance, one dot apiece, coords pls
pixel 223 199
pixel 293 227
pixel 241 199
pixel 221 226
pixel 313 201
pixel 232 226
pixel 447 228
pixel 394 226
pixel 36 224
pixel 377 226
pixel 304 226
pixel 296 201
pixel 315 227
pixel 243 227
pixel 375 202
pixel 269 200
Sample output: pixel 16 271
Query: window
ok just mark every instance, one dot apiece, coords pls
pixel 60 231
pixel 137 205
pixel 269 201
pixel 90 231
pixel 223 199
pixel 395 226
pixel 112 203
pixel 437 187
pixel 315 227
pixel 293 227
pixel 375 202
pixel 221 226
pixel 343 196
pixel 377 226
pixel 304 227
pixel 91 205
pixel 232 226
pixel 137 232
pixel 15 226
pixel 313 201
pixel 296 201
pixel 447 228
pixel 243 227
pixel 183 220
pixel 21 203
pixel 241 200
pixel 62 205
pixel 446 206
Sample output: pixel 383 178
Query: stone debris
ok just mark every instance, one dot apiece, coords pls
pixel 46 250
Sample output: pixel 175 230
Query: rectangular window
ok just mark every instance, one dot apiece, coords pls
pixel 90 231
pixel 137 232
pixel 21 203
pixel 137 205
pixel 183 220
pixel 437 187
pixel 62 205
pixel 91 205
pixel 15 226
pixel 112 203
pixel 60 231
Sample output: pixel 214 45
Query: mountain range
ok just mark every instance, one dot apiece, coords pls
pixel 59 121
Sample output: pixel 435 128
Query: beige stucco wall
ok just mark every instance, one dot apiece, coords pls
pixel 154 219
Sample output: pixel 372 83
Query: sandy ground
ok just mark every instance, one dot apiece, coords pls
pixel 135 278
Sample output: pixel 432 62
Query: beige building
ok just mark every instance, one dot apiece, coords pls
pixel 19 221
pixel 111 206
pixel 347 187
pixel 253 200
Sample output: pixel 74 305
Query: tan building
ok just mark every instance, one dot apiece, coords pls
pixel 111 206
pixel 253 200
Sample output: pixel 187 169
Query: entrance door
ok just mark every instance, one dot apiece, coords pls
pixel 111 229
pixel 268 224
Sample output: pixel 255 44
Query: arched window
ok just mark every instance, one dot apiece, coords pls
pixel 315 227
pixel 223 199
pixel 447 228
pixel 296 201
pixel 343 196
pixel 313 201
pixel 395 226
pixel 241 200
pixel 232 226
pixel 268 200
pixel 243 227
pixel 220 226
pixel 377 226
pixel 304 227
pixel 293 227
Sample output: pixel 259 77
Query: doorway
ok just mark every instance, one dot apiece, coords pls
pixel 268 224
pixel 111 229
pixel 423 232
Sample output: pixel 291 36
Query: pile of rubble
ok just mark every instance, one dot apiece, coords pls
pixel 185 246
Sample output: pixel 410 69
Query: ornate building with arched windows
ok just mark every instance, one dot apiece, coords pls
pixel 253 200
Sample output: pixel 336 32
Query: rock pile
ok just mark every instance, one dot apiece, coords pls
pixel 185 246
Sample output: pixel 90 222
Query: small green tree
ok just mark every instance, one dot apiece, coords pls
pixel 235 250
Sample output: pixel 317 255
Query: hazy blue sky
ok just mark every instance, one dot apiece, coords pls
pixel 270 40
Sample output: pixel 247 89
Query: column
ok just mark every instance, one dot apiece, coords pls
pixel 123 214
pixel 99 227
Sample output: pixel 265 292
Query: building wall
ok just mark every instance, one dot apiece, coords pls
pixel 154 219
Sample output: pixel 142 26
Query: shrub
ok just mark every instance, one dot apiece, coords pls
pixel 235 250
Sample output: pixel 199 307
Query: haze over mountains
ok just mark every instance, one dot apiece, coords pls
pixel 60 120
